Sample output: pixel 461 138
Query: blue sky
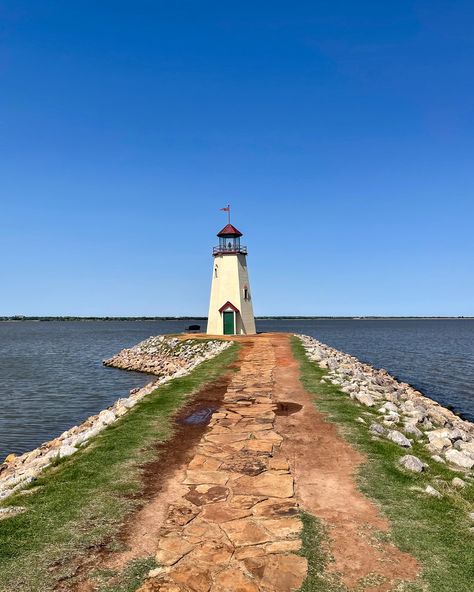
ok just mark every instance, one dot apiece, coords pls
pixel 342 133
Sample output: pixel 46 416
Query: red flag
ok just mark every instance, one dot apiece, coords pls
pixel 226 209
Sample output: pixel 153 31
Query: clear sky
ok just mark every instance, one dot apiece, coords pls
pixel 342 133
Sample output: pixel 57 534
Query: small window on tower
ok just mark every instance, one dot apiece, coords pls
pixel 246 293
pixel 215 271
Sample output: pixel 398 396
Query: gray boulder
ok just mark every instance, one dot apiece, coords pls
pixel 377 429
pixel 107 417
pixel 433 492
pixel 465 447
pixel 399 438
pixel 459 459
pixel 412 430
pixel 66 450
pixel 412 463
pixel 388 406
pixel 365 399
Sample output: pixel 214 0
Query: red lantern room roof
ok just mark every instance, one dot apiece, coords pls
pixel 229 230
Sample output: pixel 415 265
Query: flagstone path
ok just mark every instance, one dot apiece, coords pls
pixel 237 526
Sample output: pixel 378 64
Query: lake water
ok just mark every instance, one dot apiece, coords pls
pixel 51 373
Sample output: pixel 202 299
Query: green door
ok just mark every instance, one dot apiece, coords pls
pixel 229 328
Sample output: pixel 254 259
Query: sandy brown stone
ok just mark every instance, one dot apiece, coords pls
pixel 208 463
pixel 258 410
pixel 220 451
pixel 161 584
pixel 245 501
pixel 268 484
pixel 171 549
pixel 278 463
pixel 212 553
pixel 223 512
pixel 268 436
pixel 212 494
pixel 180 515
pixel 253 426
pixel 226 438
pixel 245 463
pixel 234 580
pixel 258 446
pixel 283 546
pixel 202 530
pixel 271 508
pixel 195 576
pixel 197 477
pixel 282 528
pixel 284 573
pixel 241 553
pixel 246 532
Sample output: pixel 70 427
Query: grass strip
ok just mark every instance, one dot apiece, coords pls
pixel 435 531
pixel 81 503
pixel 316 550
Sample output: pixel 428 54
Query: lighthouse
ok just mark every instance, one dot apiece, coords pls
pixel 230 307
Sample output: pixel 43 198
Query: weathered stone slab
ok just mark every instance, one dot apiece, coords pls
pixel 171 549
pixel 223 512
pixel 194 576
pixel 265 446
pixel 284 573
pixel 196 477
pixel 268 484
pixel 211 494
pixel 234 579
pixel 272 507
pixel 246 532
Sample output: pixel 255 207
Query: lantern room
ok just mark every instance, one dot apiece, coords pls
pixel 229 241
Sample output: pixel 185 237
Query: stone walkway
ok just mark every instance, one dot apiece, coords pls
pixel 236 528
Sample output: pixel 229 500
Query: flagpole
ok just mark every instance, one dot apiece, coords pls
pixel 228 212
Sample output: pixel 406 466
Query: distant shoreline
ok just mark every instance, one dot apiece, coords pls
pixel 197 318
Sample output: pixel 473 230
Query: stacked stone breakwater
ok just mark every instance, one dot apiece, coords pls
pixel 165 357
pixel 405 414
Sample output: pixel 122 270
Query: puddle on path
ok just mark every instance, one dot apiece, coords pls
pixel 199 416
pixel 286 408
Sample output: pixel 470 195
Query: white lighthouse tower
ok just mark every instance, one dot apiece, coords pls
pixel 230 307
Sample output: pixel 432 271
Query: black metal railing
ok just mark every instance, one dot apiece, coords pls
pixel 229 250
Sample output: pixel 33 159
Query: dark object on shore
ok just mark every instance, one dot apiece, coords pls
pixel 194 329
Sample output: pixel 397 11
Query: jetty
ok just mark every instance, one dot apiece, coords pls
pixel 260 463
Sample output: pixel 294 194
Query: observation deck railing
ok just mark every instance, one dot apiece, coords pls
pixel 229 250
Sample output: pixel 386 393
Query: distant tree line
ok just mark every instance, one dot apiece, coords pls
pixel 72 318
pixel 192 318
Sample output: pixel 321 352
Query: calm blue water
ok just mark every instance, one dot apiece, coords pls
pixel 51 373
pixel 435 356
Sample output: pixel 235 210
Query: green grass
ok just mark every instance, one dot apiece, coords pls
pixel 81 504
pixel 435 531
pixel 128 580
pixel 316 550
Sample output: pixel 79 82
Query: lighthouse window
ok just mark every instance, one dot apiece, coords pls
pixel 246 294
pixel 215 271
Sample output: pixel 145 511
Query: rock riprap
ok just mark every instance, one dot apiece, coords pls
pixel 237 526
pixel 166 357
pixel 405 414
